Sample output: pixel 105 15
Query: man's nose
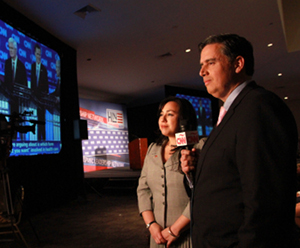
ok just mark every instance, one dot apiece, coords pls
pixel 202 72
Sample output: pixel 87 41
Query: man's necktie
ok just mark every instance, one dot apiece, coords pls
pixel 221 114
pixel 37 75
pixel 13 72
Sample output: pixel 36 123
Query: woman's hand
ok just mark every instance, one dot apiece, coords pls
pixel 155 231
pixel 168 237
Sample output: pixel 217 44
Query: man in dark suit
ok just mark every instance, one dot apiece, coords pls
pixel 40 88
pixel 56 92
pixel 14 73
pixel 245 178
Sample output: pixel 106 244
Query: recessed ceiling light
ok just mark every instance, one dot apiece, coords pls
pixel 286 98
pixel 279 74
pixel 270 44
pixel 188 50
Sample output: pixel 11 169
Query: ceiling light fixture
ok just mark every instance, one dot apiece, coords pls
pixel 165 55
pixel 279 74
pixel 286 98
pixel 270 44
pixel 86 10
pixel 188 50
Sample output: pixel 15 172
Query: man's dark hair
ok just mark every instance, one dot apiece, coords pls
pixel 37 46
pixel 233 46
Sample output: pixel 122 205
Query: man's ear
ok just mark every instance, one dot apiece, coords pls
pixel 239 64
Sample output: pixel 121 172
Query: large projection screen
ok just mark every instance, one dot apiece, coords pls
pixel 29 92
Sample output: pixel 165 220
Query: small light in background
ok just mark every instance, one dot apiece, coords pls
pixel 286 98
pixel 188 50
pixel 279 74
pixel 270 44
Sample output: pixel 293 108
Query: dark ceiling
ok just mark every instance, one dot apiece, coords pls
pixel 130 49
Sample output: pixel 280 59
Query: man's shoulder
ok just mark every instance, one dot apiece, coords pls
pixel 43 66
pixel 19 62
pixel 259 94
pixel 8 61
pixel 260 101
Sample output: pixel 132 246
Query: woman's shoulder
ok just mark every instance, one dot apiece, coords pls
pixel 201 143
pixel 154 147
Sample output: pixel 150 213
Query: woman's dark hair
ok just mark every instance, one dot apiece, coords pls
pixel 187 115
pixel 233 46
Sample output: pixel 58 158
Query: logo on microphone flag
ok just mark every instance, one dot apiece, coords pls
pixel 187 138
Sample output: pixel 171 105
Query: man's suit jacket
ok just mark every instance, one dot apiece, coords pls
pixel 43 85
pixel 20 76
pixel 38 91
pixel 56 92
pixel 245 178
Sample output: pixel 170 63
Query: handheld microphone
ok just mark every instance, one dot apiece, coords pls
pixel 186 139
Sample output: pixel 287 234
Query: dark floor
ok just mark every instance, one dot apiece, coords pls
pixel 109 220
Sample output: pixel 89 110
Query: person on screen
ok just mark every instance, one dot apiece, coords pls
pixel 14 73
pixel 202 120
pixel 40 88
pixel 56 92
pixel 245 178
pixel 162 198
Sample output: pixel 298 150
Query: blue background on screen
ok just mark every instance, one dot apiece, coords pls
pixel 203 109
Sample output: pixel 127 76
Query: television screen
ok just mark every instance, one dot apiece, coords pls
pixel 206 106
pixel 107 144
pixel 203 109
pixel 29 93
